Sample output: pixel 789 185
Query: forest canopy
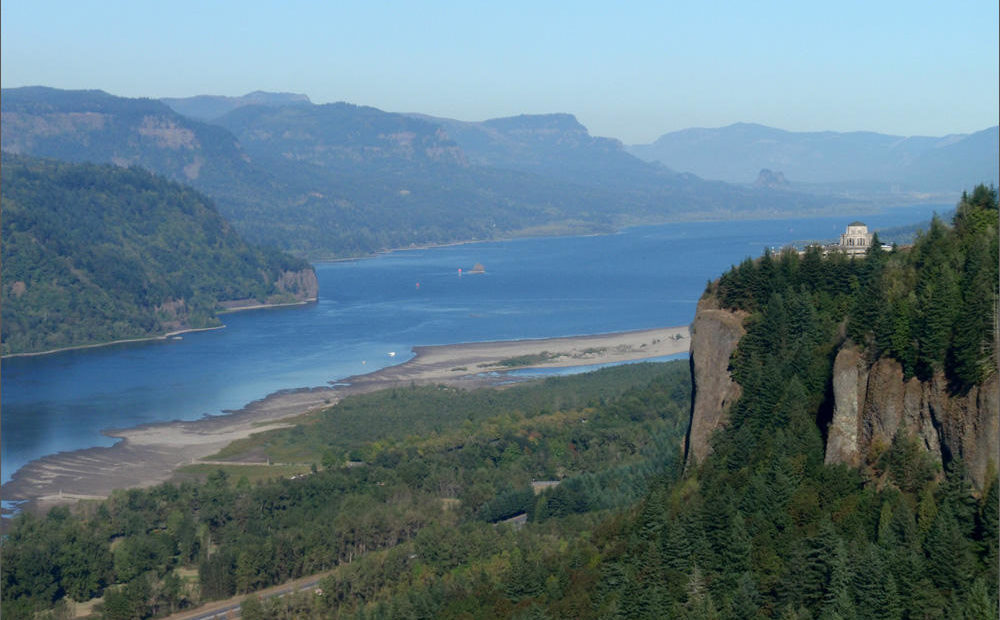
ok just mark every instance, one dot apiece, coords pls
pixel 95 253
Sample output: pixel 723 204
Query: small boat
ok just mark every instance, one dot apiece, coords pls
pixel 392 354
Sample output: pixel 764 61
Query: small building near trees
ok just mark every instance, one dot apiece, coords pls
pixel 856 239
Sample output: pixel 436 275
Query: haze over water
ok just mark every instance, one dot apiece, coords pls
pixel 533 288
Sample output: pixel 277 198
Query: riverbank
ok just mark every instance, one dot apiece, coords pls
pixel 148 455
pixel 229 309
pixel 167 335
pixel 96 345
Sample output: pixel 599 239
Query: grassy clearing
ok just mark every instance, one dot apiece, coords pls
pixel 253 473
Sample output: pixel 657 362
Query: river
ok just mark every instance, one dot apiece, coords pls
pixel 372 311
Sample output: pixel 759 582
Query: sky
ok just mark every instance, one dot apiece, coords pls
pixel 631 70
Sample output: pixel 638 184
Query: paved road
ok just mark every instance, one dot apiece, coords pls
pixel 230 608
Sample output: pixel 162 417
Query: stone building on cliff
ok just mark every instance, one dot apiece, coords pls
pixel 856 240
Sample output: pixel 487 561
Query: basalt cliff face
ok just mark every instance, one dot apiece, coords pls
pixel 714 336
pixel 872 402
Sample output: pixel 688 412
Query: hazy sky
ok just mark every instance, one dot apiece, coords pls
pixel 630 70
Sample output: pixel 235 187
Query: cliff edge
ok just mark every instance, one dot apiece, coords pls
pixel 714 336
pixel 873 402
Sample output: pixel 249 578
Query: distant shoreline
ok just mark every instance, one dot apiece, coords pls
pixel 288 304
pixel 149 454
pixel 863 206
pixel 165 336
pixel 114 342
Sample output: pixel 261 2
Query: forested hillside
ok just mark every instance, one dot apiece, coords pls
pixel 762 525
pixel 95 253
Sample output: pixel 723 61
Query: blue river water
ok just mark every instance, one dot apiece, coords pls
pixel 640 278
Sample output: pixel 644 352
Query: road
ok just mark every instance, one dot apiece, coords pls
pixel 230 608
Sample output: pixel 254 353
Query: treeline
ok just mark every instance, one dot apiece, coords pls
pixel 137 548
pixel 99 253
pixel 931 307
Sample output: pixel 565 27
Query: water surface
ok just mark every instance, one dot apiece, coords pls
pixel 641 278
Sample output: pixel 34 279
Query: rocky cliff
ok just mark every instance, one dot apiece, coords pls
pixel 714 336
pixel 873 402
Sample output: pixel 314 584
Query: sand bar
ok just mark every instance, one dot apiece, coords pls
pixel 149 454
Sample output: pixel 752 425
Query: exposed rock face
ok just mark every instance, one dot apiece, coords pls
pixel 842 439
pixel 714 336
pixel 302 284
pixel 872 403
pixel 771 179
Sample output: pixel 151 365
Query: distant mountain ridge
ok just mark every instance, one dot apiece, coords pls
pixel 339 133
pixel 339 179
pixel 737 152
pixel 98 127
pixel 208 107
pixel 553 145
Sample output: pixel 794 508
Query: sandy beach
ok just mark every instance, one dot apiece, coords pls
pixel 149 454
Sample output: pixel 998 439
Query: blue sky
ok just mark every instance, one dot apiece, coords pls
pixel 632 71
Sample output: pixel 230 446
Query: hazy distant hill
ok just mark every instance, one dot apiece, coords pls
pixel 208 107
pixel 558 146
pixel 380 180
pixel 738 152
pixel 340 134
pixel 95 126
pixel 554 145
pixel 317 180
pixel 94 253
pixel 344 180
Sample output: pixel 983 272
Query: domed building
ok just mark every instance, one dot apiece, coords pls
pixel 856 240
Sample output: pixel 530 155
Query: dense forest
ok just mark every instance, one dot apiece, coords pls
pixel 424 461
pixel 96 253
pixel 404 495
pixel 763 527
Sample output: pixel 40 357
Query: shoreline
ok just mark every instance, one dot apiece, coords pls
pixel 867 205
pixel 165 336
pixel 286 304
pixel 96 345
pixel 150 454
